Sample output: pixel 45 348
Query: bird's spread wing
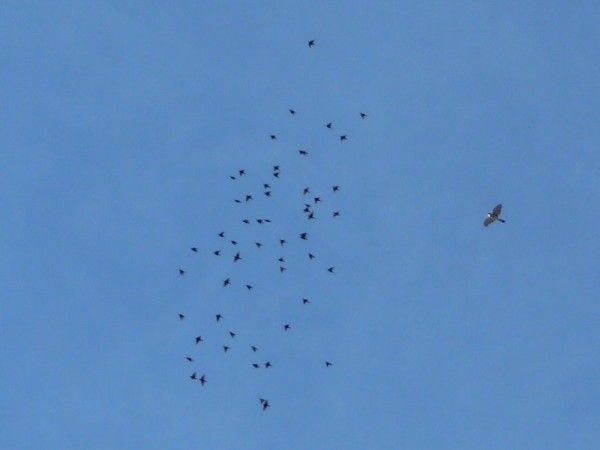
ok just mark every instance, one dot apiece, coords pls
pixel 497 210
pixel 487 221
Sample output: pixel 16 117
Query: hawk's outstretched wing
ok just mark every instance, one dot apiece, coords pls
pixel 497 210
pixel 487 221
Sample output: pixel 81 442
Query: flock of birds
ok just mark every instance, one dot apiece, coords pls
pixel 309 210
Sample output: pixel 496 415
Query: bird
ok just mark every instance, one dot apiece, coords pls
pixel 292 111
pixel 242 172
pixel 189 359
pixel 237 257
pixel 305 301
pixel 336 214
pixel 203 380
pixel 248 197
pixel 493 216
pixel 306 191
pixel 225 349
pixel 237 200
pixel 256 366
pixel 282 269
pixel 234 242
pixel 217 253
pixel 199 339
pixel 181 316
pixel 246 221
pixel 276 174
pixel 267 220
pixel 226 282
pixel 331 269
pixel 266 186
pixel 329 125
pixel 193 376
pixel 273 137
pixel 311 256
pixel 281 259
pixel 249 287
pixel 311 43
pixel 265 404
pixel 304 236
pixel 343 137
pixel 307 209
pixel 268 364
pixel 267 193
pixel 276 168
pixel 335 188
pixel 303 152
pixel 258 244
pixel 282 242
pixel 232 334
pixel 328 364
pixel 232 177
pixel 363 115
pixel 218 317
pixel 287 326
pixel 260 221
pixel 254 348
pixel 194 249
pixel 317 200
pixel 181 272
pixel 311 215
pixel 222 234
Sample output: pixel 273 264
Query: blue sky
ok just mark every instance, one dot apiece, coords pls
pixel 119 125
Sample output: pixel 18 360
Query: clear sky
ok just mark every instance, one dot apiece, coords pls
pixel 119 125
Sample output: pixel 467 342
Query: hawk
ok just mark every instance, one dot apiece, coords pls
pixel 493 216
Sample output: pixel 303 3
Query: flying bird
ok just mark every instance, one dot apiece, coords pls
pixel 249 287
pixel 232 177
pixel 242 172
pixel 328 364
pixel 232 334
pixel 189 359
pixel 218 317
pixel 282 269
pixel 194 249
pixel 237 257
pixel 281 242
pixel 222 234
pixel 265 404
pixel 303 152
pixel 246 221
pixel 317 200
pixel 305 191
pixel 225 349
pixel 268 364
pixel 493 216
pixel 331 269
pixel 273 137
pixel 181 272
pixel 256 366
pixel 311 43
pixel 258 244
pixel 234 242
pixel 304 236
pixel 311 215
pixel 266 186
pixel 260 221
pixel 343 137
pixel 363 115
pixel 336 214
pixel 217 253
pixel 237 201
pixel 292 111
pixel 199 339
pixel 311 256
pixel 267 193
pixel 335 188
pixel 203 380
pixel 286 327
pixel 305 301
pixel 276 174
pixel 329 125
pixel 193 376
pixel 181 316
pixel 254 348
pixel 276 168
pixel 248 197
pixel 226 282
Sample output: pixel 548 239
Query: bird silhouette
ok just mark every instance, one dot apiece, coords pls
pixel 266 186
pixel 311 216
pixel 242 172
pixel 276 174
pixel 254 348
pixel 237 201
pixel 194 249
pixel 199 339
pixel 307 209
pixel 232 334
pixel 181 316
pixel 222 234
pixel 218 317
pixel 311 256
pixel 181 272
pixel 292 111
pixel 248 197
pixel 276 168
pixel 343 137
pixel 336 214
pixel 225 349
pixel 303 152
pixel 494 216
pixel 317 200
pixel 265 405
pixel 258 244
pixel 282 242
pixel 331 269
pixel 189 359
pixel 234 242
pixel 256 366
pixel 273 137
pixel 287 326
pixel 193 376
pixel 335 188
pixel 328 364
pixel 246 221
pixel 305 191
pixel 249 287
pixel 232 177
pixel 304 236
pixel 226 282
pixel 203 380
pixel 267 193
pixel 260 221
pixel 311 43
pixel 363 115
pixel 281 259
pixel 305 301
pixel 329 125
pixel 268 364
pixel 237 257
pixel 217 253
pixel 282 269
